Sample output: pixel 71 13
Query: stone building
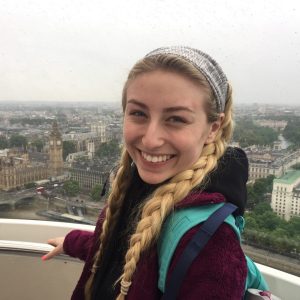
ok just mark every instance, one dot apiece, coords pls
pixel 18 167
pixel 17 170
pixel 93 144
pixel 286 195
pixel 89 173
pixel 99 128
pixel 274 124
pixel 265 162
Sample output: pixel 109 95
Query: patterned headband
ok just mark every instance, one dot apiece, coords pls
pixel 206 65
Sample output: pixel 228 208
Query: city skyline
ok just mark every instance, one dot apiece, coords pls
pixel 73 51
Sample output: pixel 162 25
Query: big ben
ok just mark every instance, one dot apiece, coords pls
pixel 56 163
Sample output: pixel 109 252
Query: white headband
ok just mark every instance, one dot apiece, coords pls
pixel 207 66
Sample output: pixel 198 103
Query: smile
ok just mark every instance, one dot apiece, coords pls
pixel 156 158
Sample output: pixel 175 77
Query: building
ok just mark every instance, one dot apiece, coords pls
pixel 99 128
pixel 72 157
pixel 17 170
pixel 114 131
pixel 79 139
pixel 286 195
pixel 93 144
pixel 89 173
pixel 266 162
pixel 274 124
pixel 18 167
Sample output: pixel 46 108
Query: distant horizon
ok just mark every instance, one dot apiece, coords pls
pixel 118 102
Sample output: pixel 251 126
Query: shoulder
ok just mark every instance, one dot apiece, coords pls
pixel 223 241
pixel 220 269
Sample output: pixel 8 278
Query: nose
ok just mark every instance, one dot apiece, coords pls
pixel 153 136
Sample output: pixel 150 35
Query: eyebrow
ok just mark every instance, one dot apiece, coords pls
pixel 168 109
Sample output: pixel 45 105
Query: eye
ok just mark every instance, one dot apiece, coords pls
pixel 177 119
pixel 137 113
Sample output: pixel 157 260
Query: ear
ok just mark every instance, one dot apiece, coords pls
pixel 214 129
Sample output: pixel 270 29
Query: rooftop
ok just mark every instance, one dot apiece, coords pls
pixel 289 177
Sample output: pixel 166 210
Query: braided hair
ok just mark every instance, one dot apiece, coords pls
pixel 163 200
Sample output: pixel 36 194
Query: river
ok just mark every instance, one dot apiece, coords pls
pixel 284 142
pixel 30 210
pixel 26 211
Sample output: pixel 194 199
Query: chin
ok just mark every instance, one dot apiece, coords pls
pixel 152 178
pixel 153 181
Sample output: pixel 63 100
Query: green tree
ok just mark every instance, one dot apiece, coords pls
pixel 96 192
pixel 38 144
pixel 253 197
pixel 247 133
pixel 29 185
pixel 71 187
pixel 3 142
pixel 30 121
pixel 279 232
pixel 293 227
pixel 292 147
pixel 261 208
pixel 258 190
pixel 18 140
pixel 268 220
pixel 291 132
pixel 61 117
pixel 109 149
pixel 264 227
pixel 296 166
pixel 251 222
pixel 68 147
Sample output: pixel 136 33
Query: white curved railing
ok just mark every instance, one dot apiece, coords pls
pixel 22 243
pixel 36 231
pixel 282 284
pixel 23 275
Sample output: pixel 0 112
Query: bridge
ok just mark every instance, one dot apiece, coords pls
pixel 16 199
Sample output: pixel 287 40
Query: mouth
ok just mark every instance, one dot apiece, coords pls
pixel 156 158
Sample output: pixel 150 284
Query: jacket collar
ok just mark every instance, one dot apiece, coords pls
pixel 200 198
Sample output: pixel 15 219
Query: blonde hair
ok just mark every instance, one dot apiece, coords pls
pixel 164 198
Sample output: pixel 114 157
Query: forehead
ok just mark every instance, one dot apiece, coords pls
pixel 163 88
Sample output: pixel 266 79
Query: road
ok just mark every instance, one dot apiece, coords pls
pixel 274 260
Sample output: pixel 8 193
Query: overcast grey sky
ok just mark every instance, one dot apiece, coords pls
pixel 78 50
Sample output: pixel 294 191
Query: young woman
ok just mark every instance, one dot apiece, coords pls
pixel 177 123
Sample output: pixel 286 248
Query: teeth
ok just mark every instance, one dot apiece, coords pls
pixel 155 159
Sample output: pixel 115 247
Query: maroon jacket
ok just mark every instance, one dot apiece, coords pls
pixel 219 271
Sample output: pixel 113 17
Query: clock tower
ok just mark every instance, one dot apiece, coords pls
pixel 56 163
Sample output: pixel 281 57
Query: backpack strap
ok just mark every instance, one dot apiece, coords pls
pixel 176 225
pixel 194 247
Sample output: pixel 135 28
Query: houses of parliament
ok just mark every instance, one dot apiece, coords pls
pixel 19 167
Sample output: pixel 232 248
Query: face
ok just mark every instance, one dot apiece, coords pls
pixel 165 124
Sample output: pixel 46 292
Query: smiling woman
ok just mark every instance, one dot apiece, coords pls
pixel 177 124
pixel 166 129
pixel 57 55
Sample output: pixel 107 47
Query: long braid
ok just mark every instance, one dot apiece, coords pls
pixel 158 208
pixel 226 130
pixel 115 201
pixel 166 197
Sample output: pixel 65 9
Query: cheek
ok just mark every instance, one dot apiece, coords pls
pixel 190 141
pixel 191 147
pixel 129 133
